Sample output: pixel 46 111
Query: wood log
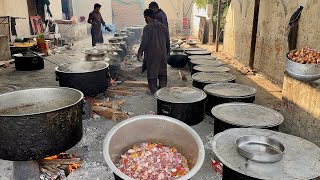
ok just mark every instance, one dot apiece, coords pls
pixel 104 112
pixel 119 116
pixel 182 76
pixel 136 83
pixel 61 161
pixel 114 93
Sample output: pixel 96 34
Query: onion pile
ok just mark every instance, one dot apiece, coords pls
pixel 153 161
pixel 305 56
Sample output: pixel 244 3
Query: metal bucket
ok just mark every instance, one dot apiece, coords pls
pixel 146 128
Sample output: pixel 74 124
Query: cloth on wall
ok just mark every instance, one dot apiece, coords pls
pixel 13 26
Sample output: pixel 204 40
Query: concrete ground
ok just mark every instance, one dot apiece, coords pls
pixel 95 130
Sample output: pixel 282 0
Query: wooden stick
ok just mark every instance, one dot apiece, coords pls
pixel 61 161
pixel 254 33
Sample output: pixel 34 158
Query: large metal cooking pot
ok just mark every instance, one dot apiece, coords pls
pixel 190 53
pixel 91 78
pixel 201 79
pixel 183 103
pixel 220 93
pixel 99 55
pixel 207 68
pixel 236 115
pixel 177 58
pixel 302 72
pixel 36 123
pixel 137 32
pixel 209 57
pixel 28 62
pixel 147 128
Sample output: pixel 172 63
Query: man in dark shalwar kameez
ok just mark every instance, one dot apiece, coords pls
pixel 155 46
pixel 160 15
pixel 95 19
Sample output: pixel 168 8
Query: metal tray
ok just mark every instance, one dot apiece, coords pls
pixel 260 148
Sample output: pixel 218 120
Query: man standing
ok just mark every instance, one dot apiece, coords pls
pixel 155 45
pixel 160 15
pixel 95 19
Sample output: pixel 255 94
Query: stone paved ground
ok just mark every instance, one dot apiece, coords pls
pixel 95 130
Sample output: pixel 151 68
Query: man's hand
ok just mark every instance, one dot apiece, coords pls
pixel 139 57
pixel 108 29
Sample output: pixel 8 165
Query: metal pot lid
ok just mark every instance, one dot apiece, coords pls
pixel 195 49
pixel 206 68
pixel 207 62
pixel 230 90
pixel 247 115
pixel 25 55
pixel 213 77
pixel 177 50
pixel 82 67
pixel 199 52
pixel 192 57
pixel 180 94
pixel 95 52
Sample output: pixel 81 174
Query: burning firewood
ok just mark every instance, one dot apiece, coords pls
pixel 58 166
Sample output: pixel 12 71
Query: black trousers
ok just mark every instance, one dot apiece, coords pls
pixel 153 83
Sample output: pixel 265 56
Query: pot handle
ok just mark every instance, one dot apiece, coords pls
pixel 35 60
pixel 165 109
pixel 57 76
pixel 83 102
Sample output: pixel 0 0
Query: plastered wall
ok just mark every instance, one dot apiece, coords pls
pixel 272 33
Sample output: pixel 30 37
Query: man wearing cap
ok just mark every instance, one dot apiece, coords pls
pixel 155 46
pixel 95 19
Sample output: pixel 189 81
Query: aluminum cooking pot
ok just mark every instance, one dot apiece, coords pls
pixel 146 128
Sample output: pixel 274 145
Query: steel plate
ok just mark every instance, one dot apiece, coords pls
pixel 260 148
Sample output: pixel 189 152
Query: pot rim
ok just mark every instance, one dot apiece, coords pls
pixel 197 138
pixel 277 114
pixel 196 63
pixel 227 80
pixel 203 65
pixel 254 90
pixel 107 65
pixel 203 96
pixel 103 52
pixel 44 112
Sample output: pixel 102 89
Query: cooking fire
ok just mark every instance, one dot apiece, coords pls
pixel 59 166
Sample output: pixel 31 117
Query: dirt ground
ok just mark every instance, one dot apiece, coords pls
pixel 95 130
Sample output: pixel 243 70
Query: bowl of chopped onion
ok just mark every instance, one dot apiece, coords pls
pixel 153 147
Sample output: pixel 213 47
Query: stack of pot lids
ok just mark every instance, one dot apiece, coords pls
pixel 199 52
pixel 194 49
pixel 206 62
pixel 247 115
pixel 180 94
pixel 213 77
pixel 230 90
pixel 208 57
pixel 206 68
